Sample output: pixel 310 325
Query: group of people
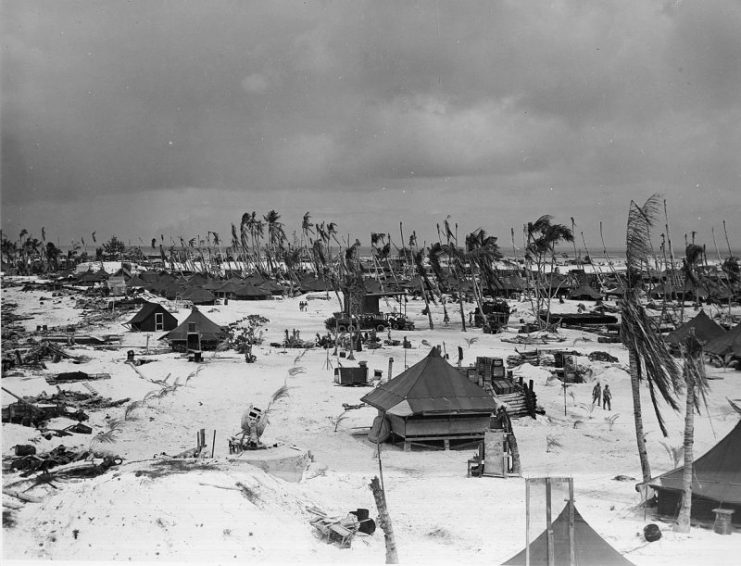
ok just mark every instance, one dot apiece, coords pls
pixel 603 397
pixel 303 305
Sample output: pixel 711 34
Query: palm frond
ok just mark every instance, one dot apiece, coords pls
pixel 638 235
pixel 131 407
pixel 471 341
pixel 661 372
pixel 339 420
pixel 294 371
pixel 150 395
pixel 277 395
pixel 676 453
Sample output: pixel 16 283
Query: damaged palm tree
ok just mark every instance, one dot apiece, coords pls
pixel 696 383
pixel 384 521
pixel 648 354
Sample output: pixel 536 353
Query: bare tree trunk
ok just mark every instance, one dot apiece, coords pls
pixel 384 521
pixel 515 451
pixel 635 385
pixel 683 520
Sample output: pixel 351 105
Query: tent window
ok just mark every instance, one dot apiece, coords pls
pixel 191 327
pixel 159 321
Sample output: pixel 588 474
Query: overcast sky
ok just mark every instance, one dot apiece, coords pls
pixel 146 117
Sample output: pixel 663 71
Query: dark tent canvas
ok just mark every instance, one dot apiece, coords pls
pixel 430 386
pixel 584 293
pixel 198 296
pixel 728 343
pixel 153 317
pixel 716 481
pixel 706 329
pixel 432 401
pixel 209 333
pixel 590 548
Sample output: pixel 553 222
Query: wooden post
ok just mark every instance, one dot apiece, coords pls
pixel 384 521
pixel 213 445
pixel 549 524
pixel 391 363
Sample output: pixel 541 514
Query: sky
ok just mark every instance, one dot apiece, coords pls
pixel 152 117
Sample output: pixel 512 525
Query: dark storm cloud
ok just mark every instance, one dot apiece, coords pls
pixel 601 101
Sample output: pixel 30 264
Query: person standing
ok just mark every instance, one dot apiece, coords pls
pixel 607 398
pixel 597 395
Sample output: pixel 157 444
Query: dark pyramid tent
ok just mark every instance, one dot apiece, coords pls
pixel 728 343
pixel 706 329
pixel 584 293
pixel 716 481
pixel 430 402
pixel 212 284
pixel 210 333
pixel 430 386
pixel 198 296
pixel 312 284
pixel 591 549
pixel 135 282
pixel 147 321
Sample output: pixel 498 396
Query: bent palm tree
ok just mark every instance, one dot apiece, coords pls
pixel 648 355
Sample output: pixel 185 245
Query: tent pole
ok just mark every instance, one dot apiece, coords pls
pixel 572 542
pixel 549 524
pixel 527 522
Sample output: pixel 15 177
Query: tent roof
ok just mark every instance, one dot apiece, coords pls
pixel 146 311
pixel 585 291
pixel 208 329
pixel 431 386
pixel 706 329
pixel 198 295
pixel 728 343
pixel 715 476
pixel 591 548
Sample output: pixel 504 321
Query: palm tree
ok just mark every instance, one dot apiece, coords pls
pixel 307 231
pixel 692 257
pixel 424 283
pixel 276 236
pixel 52 256
pixel 696 384
pixel 481 251
pixel 542 238
pixel 434 254
pixel 647 353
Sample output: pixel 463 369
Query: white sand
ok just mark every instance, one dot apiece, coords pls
pixel 439 516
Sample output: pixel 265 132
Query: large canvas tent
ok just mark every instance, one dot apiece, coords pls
pixel 590 548
pixel 716 481
pixel 728 343
pixel 705 328
pixel 152 317
pixel 197 332
pixel 432 400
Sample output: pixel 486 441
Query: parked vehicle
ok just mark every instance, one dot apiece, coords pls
pixel 380 322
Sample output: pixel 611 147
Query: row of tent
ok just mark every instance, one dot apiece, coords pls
pixel 196 332
pixel 199 288
pixel 715 339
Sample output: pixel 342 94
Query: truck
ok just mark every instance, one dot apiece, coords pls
pixel 380 322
